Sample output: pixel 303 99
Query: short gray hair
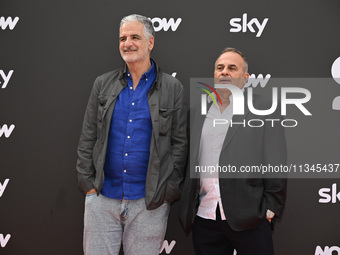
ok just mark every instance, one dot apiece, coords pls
pixel 148 27
pixel 229 49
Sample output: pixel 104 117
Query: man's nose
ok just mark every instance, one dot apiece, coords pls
pixel 225 72
pixel 128 42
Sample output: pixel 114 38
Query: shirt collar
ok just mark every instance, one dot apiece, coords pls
pixel 149 74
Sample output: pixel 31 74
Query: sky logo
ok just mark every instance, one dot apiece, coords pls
pixel 5 78
pixel 243 25
pixel 329 195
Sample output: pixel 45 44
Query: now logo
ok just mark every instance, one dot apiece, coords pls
pixel 327 250
pixel 8 22
pixel 7 131
pixel 167 247
pixel 164 24
pixel 3 187
pixel 4 240
pixel 254 81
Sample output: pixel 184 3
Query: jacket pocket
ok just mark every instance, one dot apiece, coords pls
pixel 102 99
pixel 165 119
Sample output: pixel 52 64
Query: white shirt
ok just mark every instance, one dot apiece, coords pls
pixel 211 143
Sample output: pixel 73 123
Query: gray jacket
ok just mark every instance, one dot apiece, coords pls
pixel 168 148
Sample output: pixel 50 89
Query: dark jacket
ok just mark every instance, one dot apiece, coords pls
pixel 245 196
pixel 168 147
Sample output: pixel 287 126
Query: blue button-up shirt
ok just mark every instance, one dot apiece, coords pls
pixel 128 146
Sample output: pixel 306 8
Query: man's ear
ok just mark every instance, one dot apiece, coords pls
pixel 246 77
pixel 151 43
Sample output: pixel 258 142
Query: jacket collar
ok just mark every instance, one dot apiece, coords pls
pixel 123 73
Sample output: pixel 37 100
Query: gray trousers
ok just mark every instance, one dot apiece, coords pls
pixel 110 222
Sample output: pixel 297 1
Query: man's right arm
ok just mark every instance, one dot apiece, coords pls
pixel 88 137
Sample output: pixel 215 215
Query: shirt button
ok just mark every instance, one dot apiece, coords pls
pixel 128 137
pixel 133 103
pixel 130 120
pixel 146 79
pixel 130 87
pixel 124 171
pixel 126 154
pixel 128 74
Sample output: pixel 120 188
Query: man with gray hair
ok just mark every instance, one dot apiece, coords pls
pixel 132 149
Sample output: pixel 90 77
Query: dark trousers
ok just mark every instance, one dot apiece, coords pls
pixel 217 238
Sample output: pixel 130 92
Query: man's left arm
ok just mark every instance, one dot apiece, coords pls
pixel 275 153
pixel 179 144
